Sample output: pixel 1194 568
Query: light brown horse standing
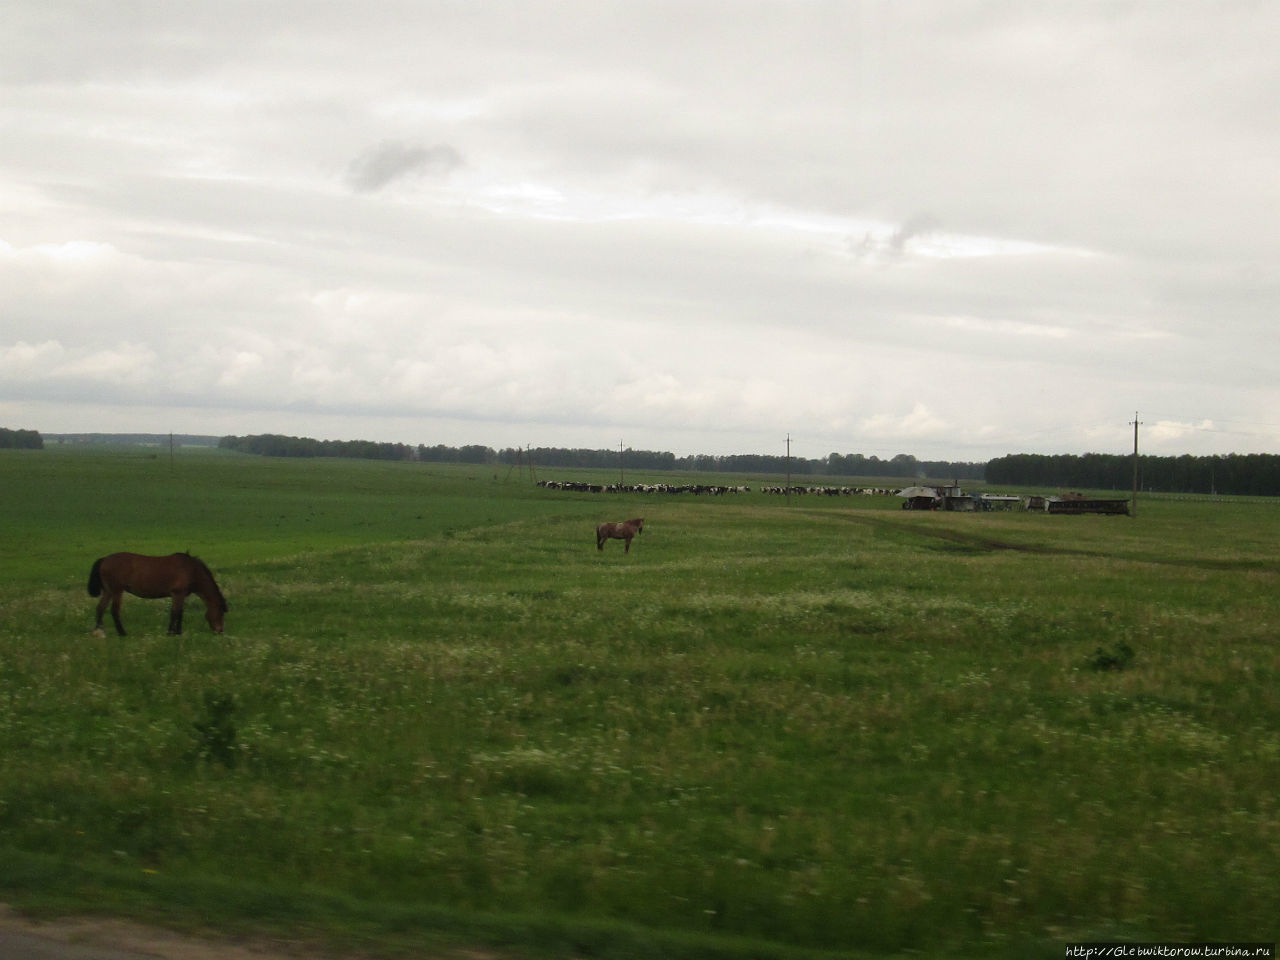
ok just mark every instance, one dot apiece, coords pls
pixel 619 531
pixel 177 575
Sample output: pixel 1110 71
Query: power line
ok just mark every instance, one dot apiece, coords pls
pixel 1133 504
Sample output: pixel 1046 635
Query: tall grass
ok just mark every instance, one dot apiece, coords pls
pixel 765 731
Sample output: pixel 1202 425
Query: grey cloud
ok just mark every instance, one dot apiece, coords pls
pixel 393 160
pixel 895 245
pixel 747 208
pixel 918 225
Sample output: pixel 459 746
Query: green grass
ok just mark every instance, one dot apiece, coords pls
pixel 829 728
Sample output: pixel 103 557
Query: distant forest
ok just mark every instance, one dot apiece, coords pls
pixel 1254 474
pixel 275 445
pixel 138 439
pixel 20 439
pixel 837 465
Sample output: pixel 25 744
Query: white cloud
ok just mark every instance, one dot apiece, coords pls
pixel 1001 328
pixel 24 361
pixel 1164 432
pixel 128 364
pixel 81 251
pixel 243 366
pixel 919 423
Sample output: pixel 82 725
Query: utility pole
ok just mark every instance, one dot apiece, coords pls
pixel 1133 504
pixel 788 469
pixel 523 459
pixel 622 475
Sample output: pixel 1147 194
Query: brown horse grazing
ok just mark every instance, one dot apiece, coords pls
pixel 619 531
pixel 176 575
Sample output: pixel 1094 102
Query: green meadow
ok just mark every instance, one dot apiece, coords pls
pixel 439 719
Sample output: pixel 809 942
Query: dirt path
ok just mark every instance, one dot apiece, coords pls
pixel 93 938
pixel 103 938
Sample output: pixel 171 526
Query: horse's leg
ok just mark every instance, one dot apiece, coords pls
pixel 627 549
pixel 175 614
pixel 102 608
pixel 116 597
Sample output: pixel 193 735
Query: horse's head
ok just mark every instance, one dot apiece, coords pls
pixel 216 614
pixel 215 604
pixel 639 522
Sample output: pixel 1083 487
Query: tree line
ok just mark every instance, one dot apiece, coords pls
pixel 20 439
pixel 1254 474
pixel 835 464
pixel 849 465
pixel 276 445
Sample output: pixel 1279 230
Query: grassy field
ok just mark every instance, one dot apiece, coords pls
pixel 439 715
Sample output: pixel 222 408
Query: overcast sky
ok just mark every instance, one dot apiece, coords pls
pixel 950 229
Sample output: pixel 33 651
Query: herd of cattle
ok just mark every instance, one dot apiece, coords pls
pixel 714 490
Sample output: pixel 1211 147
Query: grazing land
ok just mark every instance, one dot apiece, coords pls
pixel 440 716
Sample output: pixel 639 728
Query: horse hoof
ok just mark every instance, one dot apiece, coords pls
pixel 100 633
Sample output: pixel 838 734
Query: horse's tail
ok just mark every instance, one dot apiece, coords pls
pixel 95 578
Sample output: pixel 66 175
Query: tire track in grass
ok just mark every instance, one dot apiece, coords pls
pixel 969 542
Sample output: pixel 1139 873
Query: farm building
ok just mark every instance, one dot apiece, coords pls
pixel 955 499
pixel 951 498
pixel 1075 503
pixel 920 498
pixel 993 501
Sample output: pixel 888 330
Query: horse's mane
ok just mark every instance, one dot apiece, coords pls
pixel 222 601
